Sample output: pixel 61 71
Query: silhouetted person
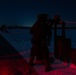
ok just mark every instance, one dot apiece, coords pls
pixel 49 24
pixel 4 28
pixel 40 37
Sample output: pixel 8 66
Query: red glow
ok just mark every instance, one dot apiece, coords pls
pixel 15 67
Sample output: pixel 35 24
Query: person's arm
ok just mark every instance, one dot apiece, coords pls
pixel 32 29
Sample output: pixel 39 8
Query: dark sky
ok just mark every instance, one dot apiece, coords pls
pixel 24 12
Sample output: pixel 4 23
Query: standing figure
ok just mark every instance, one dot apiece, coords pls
pixel 49 24
pixel 4 28
pixel 40 36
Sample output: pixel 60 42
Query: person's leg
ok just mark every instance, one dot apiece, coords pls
pixel 39 52
pixel 45 55
pixel 32 55
pixel 46 60
pixel 39 56
pixel 39 59
pixel 31 60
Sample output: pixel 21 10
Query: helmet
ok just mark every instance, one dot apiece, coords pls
pixel 57 17
pixel 42 16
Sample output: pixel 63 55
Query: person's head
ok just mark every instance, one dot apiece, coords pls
pixel 42 17
pixel 57 19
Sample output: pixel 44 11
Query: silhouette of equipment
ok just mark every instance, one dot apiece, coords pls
pixel 73 56
pixel 62 45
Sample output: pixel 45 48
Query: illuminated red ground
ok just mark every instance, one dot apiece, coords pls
pixel 16 67
pixel 19 66
pixel 59 68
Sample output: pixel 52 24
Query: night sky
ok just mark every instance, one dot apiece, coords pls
pixel 24 12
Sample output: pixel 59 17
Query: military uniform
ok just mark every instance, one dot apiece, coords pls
pixel 40 32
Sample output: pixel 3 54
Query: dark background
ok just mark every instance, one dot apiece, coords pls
pixel 24 12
